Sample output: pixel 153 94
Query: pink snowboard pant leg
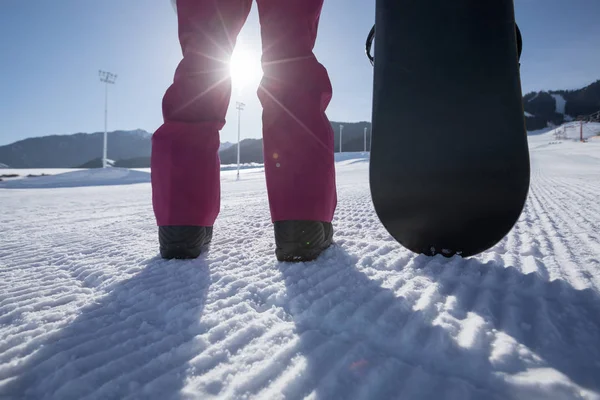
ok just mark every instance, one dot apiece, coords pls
pixel 294 93
pixel 185 162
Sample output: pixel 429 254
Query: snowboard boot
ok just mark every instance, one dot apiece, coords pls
pixel 301 240
pixel 183 241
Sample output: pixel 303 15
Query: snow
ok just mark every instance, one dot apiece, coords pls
pixel 229 167
pixel 86 177
pixel 89 310
pixel 351 157
pixel 573 130
pixel 57 177
pixel 529 114
pixel 23 172
pixel 541 131
pixel 560 103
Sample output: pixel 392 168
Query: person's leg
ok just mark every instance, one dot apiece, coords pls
pixel 185 163
pixel 294 92
pixel 298 137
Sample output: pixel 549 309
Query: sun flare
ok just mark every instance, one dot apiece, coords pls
pixel 245 67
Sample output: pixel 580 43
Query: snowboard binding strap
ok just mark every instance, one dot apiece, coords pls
pixel 371 37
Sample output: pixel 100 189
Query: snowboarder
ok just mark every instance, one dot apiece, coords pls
pixel 298 139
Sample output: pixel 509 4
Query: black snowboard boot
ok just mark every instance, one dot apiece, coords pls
pixel 183 241
pixel 302 240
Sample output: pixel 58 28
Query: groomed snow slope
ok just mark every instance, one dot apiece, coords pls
pixel 88 310
pixel 79 178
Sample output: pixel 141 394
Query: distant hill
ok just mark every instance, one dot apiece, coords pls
pixel 225 145
pixel 131 149
pixel 69 151
pixel 545 109
pixel 251 150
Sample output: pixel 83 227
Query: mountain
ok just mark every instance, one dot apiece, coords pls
pixel 225 145
pixel 68 151
pixel 131 149
pixel 543 109
pixel 251 150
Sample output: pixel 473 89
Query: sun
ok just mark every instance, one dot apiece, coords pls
pixel 245 67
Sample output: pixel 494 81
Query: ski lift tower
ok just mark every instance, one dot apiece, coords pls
pixel 108 79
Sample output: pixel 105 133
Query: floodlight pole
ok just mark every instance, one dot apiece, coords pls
pixel 341 134
pixel 239 106
pixel 365 148
pixel 108 79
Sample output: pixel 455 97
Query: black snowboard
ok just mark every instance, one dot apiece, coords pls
pixel 449 170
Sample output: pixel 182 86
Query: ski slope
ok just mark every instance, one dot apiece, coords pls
pixel 88 310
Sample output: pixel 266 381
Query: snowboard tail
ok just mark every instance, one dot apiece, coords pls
pixel 449 170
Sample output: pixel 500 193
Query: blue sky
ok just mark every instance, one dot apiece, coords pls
pixel 52 51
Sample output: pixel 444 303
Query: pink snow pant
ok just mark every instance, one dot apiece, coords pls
pixel 294 93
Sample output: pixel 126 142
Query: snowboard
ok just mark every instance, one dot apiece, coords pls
pixel 450 169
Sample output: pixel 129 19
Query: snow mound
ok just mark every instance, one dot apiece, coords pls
pixel 89 177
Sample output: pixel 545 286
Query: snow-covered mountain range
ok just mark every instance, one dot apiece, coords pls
pixel 132 148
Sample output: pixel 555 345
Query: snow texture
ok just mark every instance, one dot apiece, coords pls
pixel 89 311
